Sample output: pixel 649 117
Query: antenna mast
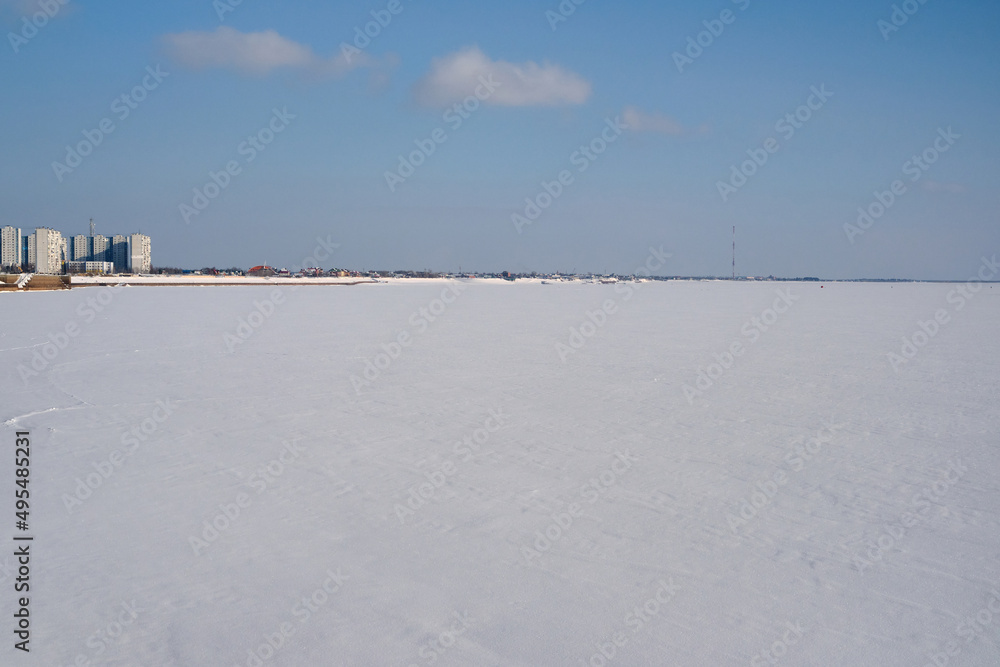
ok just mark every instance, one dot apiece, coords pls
pixel 734 252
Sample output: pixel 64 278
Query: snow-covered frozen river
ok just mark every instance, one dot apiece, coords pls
pixel 683 473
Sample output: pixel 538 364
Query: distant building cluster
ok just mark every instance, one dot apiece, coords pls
pixel 265 271
pixel 47 251
pixel 268 271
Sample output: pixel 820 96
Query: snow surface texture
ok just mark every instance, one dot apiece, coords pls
pixel 813 505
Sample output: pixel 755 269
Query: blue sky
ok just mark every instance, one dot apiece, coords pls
pixel 657 184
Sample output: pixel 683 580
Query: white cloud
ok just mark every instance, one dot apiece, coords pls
pixel 257 53
pixel 640 121
pixel 454 77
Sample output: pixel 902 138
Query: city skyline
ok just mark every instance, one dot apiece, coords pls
pixel 92 253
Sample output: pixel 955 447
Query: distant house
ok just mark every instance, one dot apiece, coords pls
pixel 262 271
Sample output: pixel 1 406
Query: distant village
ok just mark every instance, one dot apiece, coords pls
pixel 264 271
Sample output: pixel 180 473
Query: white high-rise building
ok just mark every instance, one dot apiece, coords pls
pixel 101 250
pixel 80 251
pixel 50 251
pixel 119 253
pixel 30 251
pixel 140 257
pixel 10 247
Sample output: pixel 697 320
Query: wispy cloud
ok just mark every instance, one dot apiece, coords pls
pixel 659 123
pixel 452 78
pixel 254 53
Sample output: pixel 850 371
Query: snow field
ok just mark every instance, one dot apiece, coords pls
pixel 250 502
